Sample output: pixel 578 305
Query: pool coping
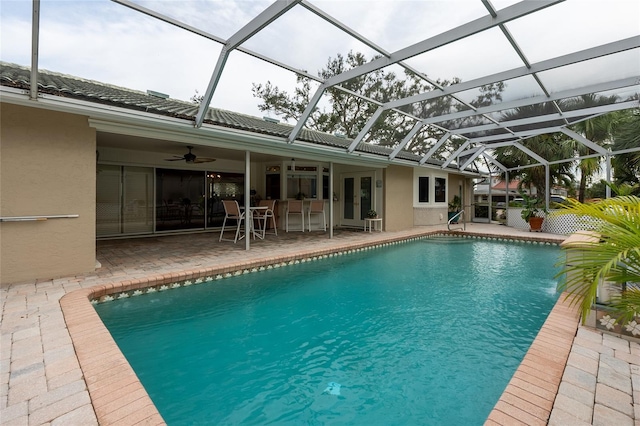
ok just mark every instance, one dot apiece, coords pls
pixel 118 397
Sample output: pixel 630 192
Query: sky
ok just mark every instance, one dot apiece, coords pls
pixel 105 41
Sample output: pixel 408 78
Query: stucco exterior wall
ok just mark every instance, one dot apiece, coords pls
pixel 47 167
pixel 398 198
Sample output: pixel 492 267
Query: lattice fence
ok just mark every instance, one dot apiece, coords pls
pixel 562 225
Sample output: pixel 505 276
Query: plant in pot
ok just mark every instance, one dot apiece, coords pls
pixel 454 207
pixel 532 207
pixel 372 214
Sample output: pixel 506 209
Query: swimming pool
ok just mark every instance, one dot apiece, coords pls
pixel 417 332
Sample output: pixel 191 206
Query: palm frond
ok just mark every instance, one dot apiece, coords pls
pixel 613 257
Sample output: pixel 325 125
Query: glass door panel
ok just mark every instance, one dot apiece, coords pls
pixel 108 200
pixel 358 197
pixel 348 211
pixel 124 200
pixel 222 186
pixel 179 199
pixel 365 195
pixel 137 196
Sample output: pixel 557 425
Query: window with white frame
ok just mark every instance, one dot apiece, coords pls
pixel 430 189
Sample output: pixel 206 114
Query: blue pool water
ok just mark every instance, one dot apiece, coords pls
pixel 417 333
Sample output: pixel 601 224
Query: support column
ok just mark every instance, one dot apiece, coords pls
pixel 608 176
pixel 247 199
pixel 506 197
pixel 331 200
pixel 548 189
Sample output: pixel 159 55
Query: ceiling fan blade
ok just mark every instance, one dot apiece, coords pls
pixel 204 160
pixel 174 159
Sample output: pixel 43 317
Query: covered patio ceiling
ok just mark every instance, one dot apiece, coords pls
pixel 537 49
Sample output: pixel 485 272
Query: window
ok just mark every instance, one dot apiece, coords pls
pixel 440 190
pixel 273 186
pixel 302 185
pixel 423 189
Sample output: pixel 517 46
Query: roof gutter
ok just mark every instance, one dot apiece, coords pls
pixel 112 119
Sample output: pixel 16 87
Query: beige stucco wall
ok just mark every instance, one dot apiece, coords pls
pixel 398 198
pixel 47 167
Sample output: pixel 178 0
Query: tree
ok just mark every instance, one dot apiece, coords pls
pixel 551 147
pixel 348 114
pixel 598 130
pixel 614 256
pixel 197 98
pixel 626 167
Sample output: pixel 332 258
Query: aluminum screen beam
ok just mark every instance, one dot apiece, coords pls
pixel 557 62
pixel 592 111
pixel 600 87
pixel 530 153
pixel 212 37
pixel 496 162
pixel 455 154
pixel 507 14
pixel 586 142
pixel 472 158
pixel 435 147
pixel 369 124
pixel 35 47
pixel 269 15
pixel 414 130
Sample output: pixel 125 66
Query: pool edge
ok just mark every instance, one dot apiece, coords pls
pixel 114 389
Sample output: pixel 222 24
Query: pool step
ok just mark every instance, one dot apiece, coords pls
pixel 445 239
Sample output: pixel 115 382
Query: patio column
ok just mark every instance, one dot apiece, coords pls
pixel 608 175
pixel 506 196
pixel 331 199
pixel 247 199
pixel 548 189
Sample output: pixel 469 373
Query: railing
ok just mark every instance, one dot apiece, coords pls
pixel 454 218
pixel 37 218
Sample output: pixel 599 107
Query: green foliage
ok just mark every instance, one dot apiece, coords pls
pixel 626 167
pixel 455 204
pixel 372 214
pixel 347 114
pixel 551 147
pixel 531 207
pixel 623 188
pixel 614 256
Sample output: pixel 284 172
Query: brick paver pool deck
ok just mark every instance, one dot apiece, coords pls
pixel 59 365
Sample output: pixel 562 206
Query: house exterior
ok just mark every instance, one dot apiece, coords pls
pixel 87 160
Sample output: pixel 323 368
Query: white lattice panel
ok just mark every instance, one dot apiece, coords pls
pixel 561 225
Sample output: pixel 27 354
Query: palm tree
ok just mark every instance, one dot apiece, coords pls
pixel 598 130
pixel 626 167
pixel 550 147
pixel 613 255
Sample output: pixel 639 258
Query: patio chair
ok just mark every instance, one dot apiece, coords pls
pixel 232 211
pixel 316 207
pixel 262 216
pixel 294 207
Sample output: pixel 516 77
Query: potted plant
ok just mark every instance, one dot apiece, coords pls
pixel 531 209
pixel 372 214
pixel 454 207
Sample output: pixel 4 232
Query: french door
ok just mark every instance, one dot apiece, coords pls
pixel 357 190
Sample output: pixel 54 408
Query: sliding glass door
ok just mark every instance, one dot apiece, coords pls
pixel 180 199
pixel 124 200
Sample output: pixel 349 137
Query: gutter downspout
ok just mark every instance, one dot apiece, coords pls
pixel 35 41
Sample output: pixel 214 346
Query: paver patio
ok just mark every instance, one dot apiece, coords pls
pixel 44 379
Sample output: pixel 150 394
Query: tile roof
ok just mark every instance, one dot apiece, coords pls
pixel 16 76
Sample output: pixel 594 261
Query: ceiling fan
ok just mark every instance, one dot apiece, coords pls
pixel 190 157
